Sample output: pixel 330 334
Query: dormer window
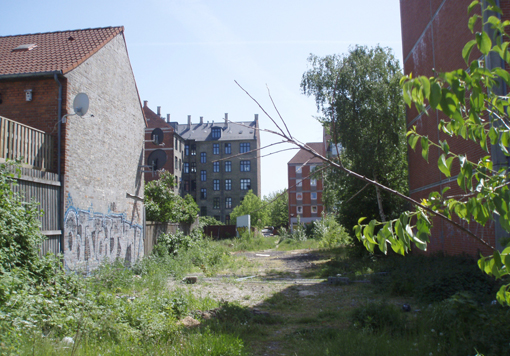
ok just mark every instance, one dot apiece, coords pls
pixel 216 132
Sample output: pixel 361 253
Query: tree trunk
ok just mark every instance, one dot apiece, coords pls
pixel 379 202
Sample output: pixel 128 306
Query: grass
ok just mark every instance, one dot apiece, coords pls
pixel 133 311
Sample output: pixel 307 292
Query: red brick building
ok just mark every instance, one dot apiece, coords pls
pixel 305 191
pixel 434 33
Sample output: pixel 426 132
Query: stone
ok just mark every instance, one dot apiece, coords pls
pixel 339 280
pixel 190 279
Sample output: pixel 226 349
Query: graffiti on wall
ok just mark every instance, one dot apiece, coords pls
pixel 91 238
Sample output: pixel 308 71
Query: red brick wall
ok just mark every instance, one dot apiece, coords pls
pixel 40 113
pixel 433 35
pixel 169 143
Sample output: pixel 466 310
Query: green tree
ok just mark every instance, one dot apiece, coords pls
pixel 477 113
pixel 253 206
pixel 163 205
pixel 277 208
pixel 363 110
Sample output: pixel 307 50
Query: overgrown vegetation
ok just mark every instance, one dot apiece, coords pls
pixel 163 205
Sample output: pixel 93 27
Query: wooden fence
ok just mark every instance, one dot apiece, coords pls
pixel 220 232
pixel 154 229
pixel 21 142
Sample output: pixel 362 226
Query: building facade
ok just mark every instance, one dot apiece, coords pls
pixel 100 184
pixel 433 36
pixel 220 163
pixel 305 189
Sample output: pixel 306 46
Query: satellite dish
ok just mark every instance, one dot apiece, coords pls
pixel 157 160
pixel 81 104
pixel 157 136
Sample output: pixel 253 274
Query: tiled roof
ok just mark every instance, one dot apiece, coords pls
pixel 303 156
pixel 154 120
pixel 52 51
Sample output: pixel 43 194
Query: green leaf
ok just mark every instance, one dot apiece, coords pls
pixel 445 165
pixel 466 51
pixel 435 95
pixel 425 148
pixel 493 135
pixel 472 22
pixel 413 140
pixel 425 86
pixel 503 74
pixel 472 6
pixel 483 42
pixel 445 146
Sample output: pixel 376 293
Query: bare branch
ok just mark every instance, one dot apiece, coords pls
pixel 254 150
pixel 278 112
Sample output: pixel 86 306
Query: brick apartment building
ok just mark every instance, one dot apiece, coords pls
pixel 305 191
pixel 220 163
pixel 433 36
pixel 172 147
pixel 95 201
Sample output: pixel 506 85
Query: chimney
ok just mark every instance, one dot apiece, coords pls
pixel 159 111
pixel 145 102
pixel 256 117
pixel 226 119
pixel 168 118
pixel 201 120
pixel 189 122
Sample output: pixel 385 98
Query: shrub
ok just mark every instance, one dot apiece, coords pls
pixel 330 233
pixel 377 317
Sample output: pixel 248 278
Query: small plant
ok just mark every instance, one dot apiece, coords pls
pixel 330 233
pixel 376 317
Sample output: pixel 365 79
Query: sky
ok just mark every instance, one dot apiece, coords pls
pixel 187 54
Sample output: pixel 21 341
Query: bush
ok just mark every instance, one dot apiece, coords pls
pixel 330 233
pixel 377 317
pixel 172 244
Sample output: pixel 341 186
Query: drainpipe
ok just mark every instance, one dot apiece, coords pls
pixel 59 173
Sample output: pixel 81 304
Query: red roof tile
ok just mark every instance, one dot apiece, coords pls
pixel 303 156
pixel 53 51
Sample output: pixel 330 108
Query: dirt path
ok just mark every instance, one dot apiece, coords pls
pixel 281 284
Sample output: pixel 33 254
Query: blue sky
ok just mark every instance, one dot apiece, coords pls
pixel 186 54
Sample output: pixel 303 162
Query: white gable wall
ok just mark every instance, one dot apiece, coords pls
pixel 103 218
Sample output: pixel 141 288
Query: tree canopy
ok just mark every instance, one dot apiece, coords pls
pixel 253 206
pixel 277 208
pixel 163 205
pixel 362 108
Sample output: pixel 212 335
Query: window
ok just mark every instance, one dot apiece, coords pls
pixel 227 219
pixel 176 166
pixel 203 157
pixel 228 166
pixel 180 164
pixel 245 166
pixel 299 183
pixel 176 143
pixel 203 176
pixel 300 210
pixel 228 184
pixel 193 167
pixel 193 150
pixel 314 209
pixel 203 193
pixel 193 185
pixel 217 217
pixel 180 146
pixel 186 167
pixel 186 185
pixel 216 132
pixel 312 168
pixel 186 150
pixel 216 148
pixel 244 147
pixel 313 182
pixel 299 196
pixel 228 148
pixel 228 203
pixel 216 204
pixel 216 184
pixel 298 169
pixel 203 211
pixel 245 184
pixel 314 196
pixel 216 167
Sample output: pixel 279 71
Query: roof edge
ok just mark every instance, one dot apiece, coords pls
pixel 33 74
